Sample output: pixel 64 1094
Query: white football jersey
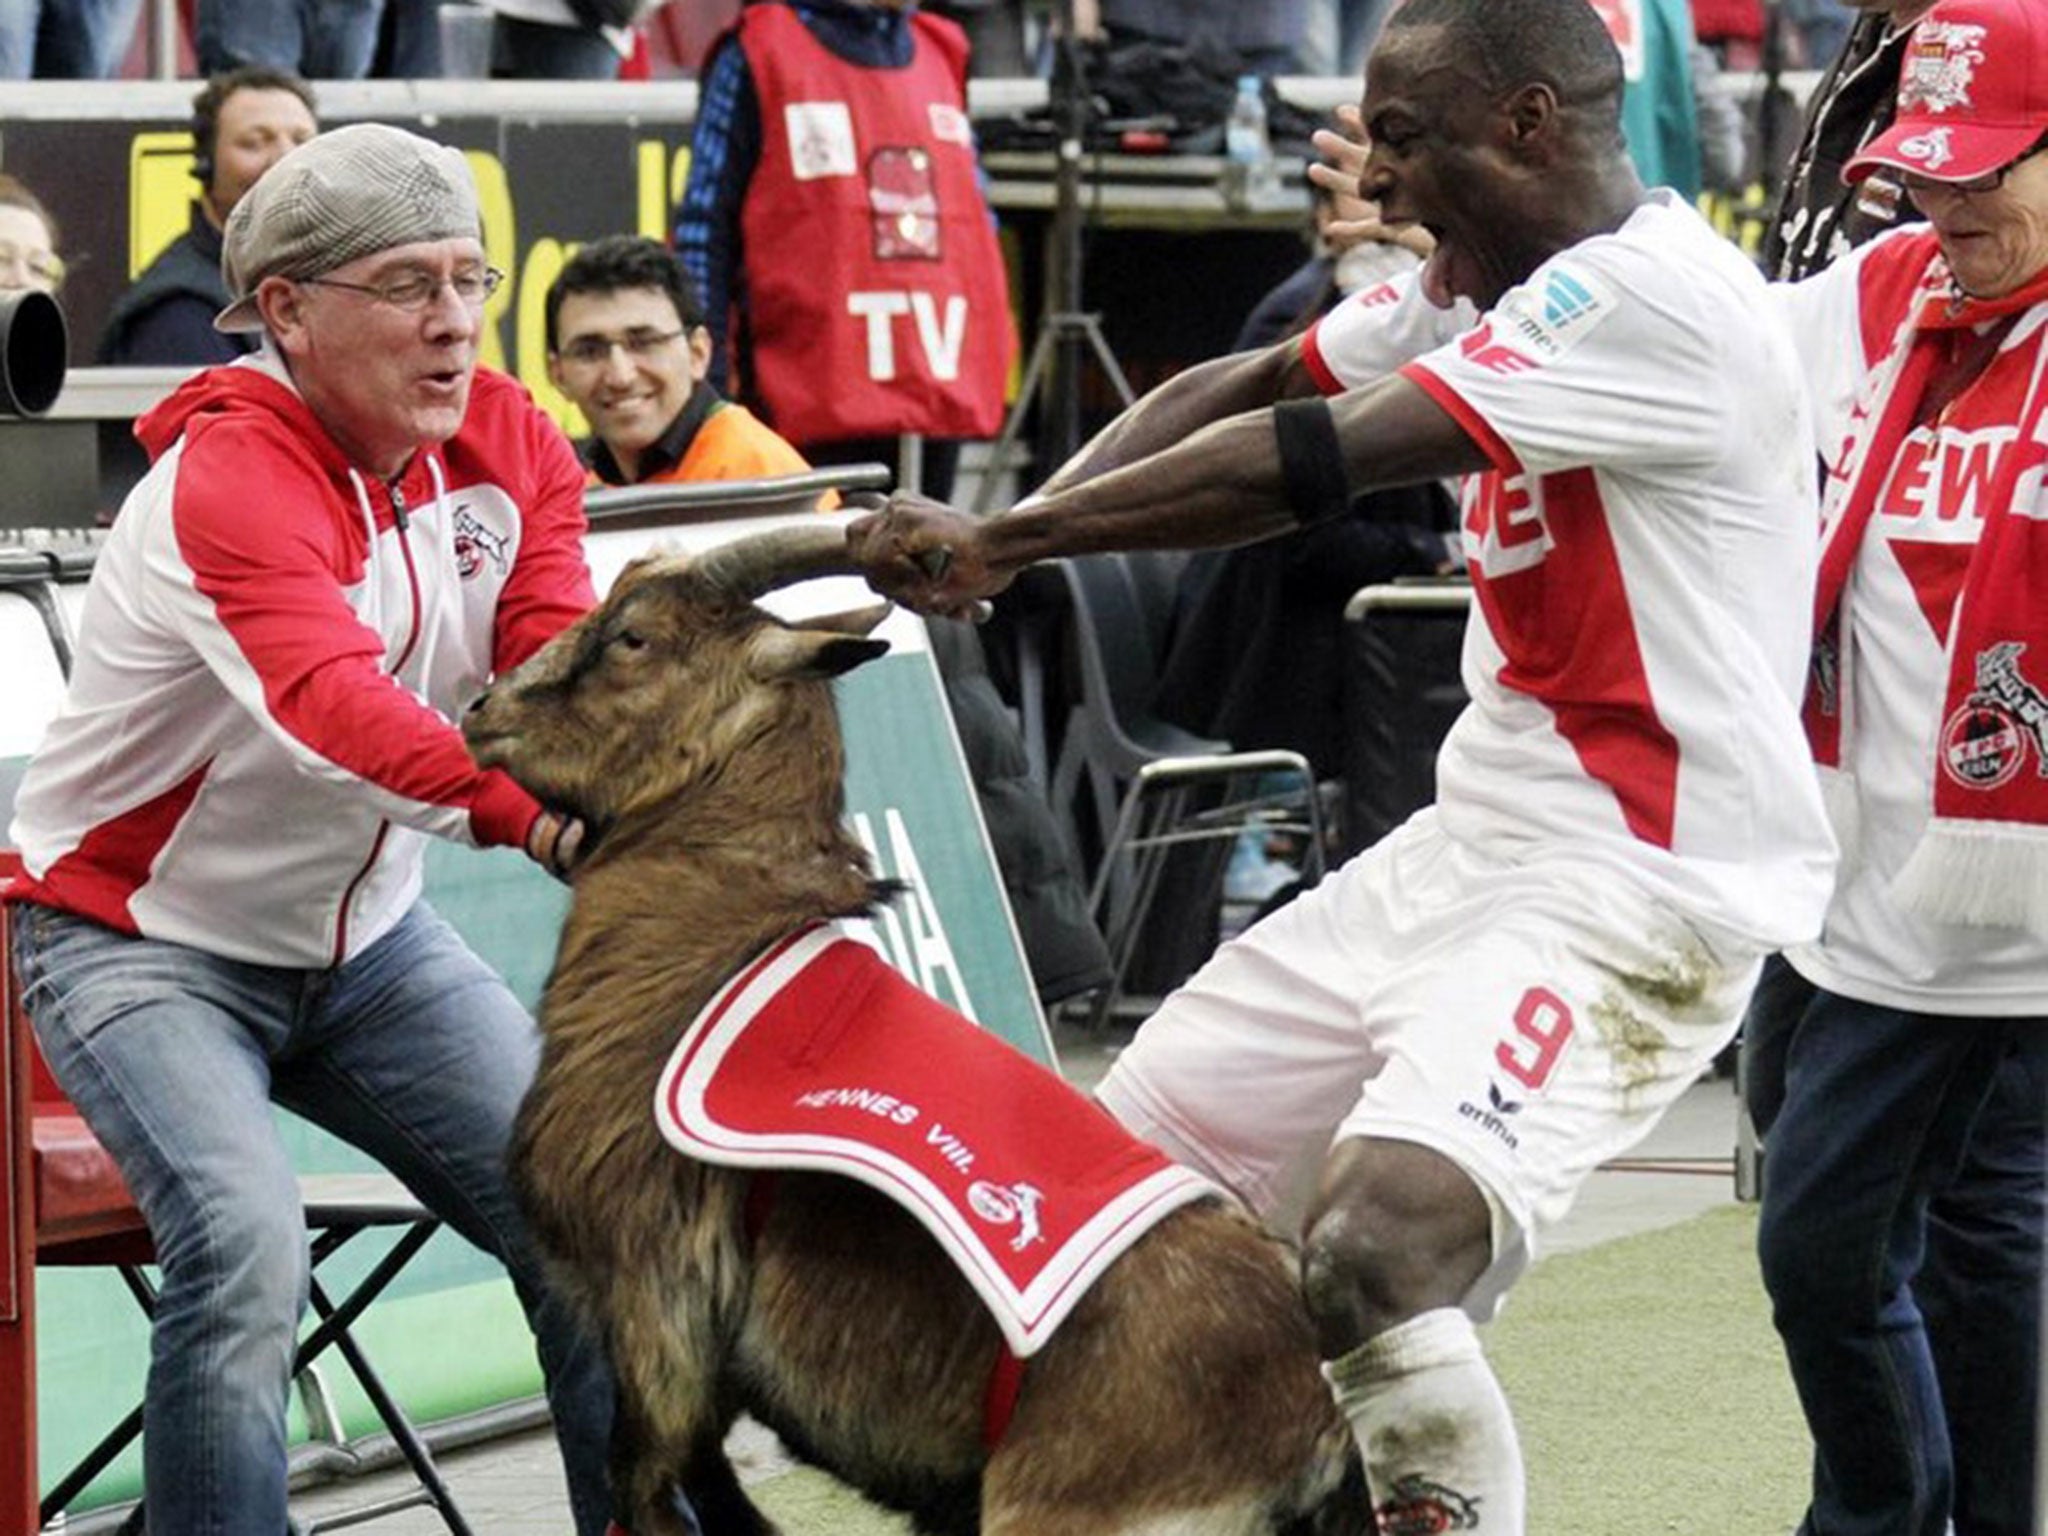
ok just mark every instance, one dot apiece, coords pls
pixel 1642 555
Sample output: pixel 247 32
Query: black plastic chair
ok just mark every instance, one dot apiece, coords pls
pixel 1137 787
pixel 1402 689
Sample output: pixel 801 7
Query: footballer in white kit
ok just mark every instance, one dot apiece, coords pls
pixel 1511 987
pixel 1526 974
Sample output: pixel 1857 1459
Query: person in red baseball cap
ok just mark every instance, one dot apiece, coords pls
pixel 1973 104
pixel 1897 1065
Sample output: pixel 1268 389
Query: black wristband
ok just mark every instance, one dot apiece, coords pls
pixel 1311 463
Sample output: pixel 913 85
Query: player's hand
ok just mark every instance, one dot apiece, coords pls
pixel 555 843
pixel 926 556
pixel 1356 217
pixel 1344 150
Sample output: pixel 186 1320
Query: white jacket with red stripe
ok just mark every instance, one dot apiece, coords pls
pixel 259 735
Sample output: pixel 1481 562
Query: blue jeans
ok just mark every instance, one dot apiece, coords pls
pixel 319 39
pixel 1901 1243
pixel 65 39
pixel 413 1051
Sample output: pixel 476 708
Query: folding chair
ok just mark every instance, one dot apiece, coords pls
pixel 70 1207
pixel 1402 689
pixel 1142 787
pixel 63 1202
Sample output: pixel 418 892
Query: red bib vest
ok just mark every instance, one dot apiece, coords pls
pixel 877 297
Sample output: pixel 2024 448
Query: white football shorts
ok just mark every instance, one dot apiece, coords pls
pixel 1529 1021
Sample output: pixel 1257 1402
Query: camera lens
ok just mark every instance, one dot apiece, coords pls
pixel 33 343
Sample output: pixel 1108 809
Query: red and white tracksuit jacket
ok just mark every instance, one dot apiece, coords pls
pixel 258 736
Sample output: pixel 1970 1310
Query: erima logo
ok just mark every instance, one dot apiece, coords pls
pixel 1494 1121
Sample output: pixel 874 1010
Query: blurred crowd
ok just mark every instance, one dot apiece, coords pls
pixel 606 39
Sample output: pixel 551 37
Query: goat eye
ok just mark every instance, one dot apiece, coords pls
pixel 630 639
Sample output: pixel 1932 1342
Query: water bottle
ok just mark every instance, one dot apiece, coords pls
pixel 1245 142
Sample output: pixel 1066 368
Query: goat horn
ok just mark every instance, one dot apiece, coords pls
pixel 781 557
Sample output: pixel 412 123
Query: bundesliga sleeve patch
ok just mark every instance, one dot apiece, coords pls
pixel 1549 315
pixel 820 139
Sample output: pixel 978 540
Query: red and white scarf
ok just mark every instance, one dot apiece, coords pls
pixel 1984 856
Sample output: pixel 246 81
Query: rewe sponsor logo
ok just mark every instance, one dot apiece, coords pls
pixel 1947 476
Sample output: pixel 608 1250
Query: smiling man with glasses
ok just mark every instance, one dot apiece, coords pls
pixel 344 535
pixel 628 343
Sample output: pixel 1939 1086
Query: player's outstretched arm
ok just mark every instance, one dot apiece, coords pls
pixel 1247 477
pixel 1192 399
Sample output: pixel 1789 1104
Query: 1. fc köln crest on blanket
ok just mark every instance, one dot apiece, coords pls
pixel 1984 744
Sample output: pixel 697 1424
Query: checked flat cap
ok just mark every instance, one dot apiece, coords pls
pixel 344 194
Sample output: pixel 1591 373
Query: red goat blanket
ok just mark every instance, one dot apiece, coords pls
pixel 818 1055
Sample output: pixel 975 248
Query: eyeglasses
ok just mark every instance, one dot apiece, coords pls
pixel 416 290
pixel 37 266
pixel 596 351
pixel 1976 186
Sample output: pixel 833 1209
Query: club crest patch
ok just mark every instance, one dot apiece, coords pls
pixel 1984 743
pixel 1941 66
pixel 477 546
pixel 1929 150
pixel 1419 1507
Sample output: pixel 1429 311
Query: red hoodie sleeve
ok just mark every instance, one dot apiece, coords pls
pixel 549 588
pixel 258 561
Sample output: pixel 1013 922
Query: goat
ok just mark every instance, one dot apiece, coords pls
pixel 697 737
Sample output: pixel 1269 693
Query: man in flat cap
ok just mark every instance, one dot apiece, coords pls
pixel 344 536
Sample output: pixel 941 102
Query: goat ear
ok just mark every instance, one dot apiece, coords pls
pixel 854 621
pixel 782 654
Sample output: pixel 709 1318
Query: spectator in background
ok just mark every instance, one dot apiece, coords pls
pixel 1821 217
pixel 65 39
pixel 28 240
pixel 563 39
pixel 995 35
pixel 1357 26
pixel 243 123
pixel 836 228
pixel 1659 111
pixel 1822 27
pixel 408 41
pixel 1266 37
pixel 330 40
pixel 1734 29
pixel 1894 1069
pixel 628 344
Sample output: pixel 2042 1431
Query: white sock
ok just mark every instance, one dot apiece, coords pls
pixel 1433 1427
